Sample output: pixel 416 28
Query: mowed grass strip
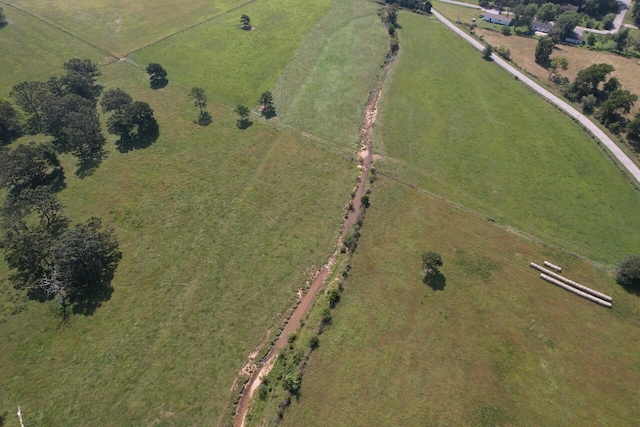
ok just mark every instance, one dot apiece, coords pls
pixel 120 26
pixel 32 50
pixel 232 64
pixel 495 346
pixel 218 226
pixel 460 127
pixel 324 88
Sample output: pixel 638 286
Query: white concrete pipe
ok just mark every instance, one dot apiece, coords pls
pixel 553 266
pixel 574 290
pixel 571 282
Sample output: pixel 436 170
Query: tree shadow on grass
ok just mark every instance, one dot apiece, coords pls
pixel 435 280
pixel 87 302
pixel 86 167
pixel 632 290
pixel 244 124
pixel 138 142
pixel 204 119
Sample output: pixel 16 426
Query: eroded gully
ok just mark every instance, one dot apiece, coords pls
pixel 258 370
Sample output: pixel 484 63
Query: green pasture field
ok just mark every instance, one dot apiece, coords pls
pixel 324 88
pixel 121 26
pixel 483 140
pixel 495 345
pixel 218 226
pixel 234 65
pixel 32 50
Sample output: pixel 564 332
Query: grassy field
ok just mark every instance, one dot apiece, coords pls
pixel 233 65
pixel 485 141
pixel 494 346
pixel 324 88
pixel 120 26
pixel 218 226
pixel 26 41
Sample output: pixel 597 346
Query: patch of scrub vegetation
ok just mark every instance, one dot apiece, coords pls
pixel 324 88
pixel 477 352
pixel 232 65
pixel 485 141
pixel 32 50
pixel 218 228
pixel 121 26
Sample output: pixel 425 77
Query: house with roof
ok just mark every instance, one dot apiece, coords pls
pixel 566 6
pixel 574 38
pixel 541 27
pixel 496 19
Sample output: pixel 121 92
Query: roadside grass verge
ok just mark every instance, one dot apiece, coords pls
pixel 121 26
pixel 32 50
pixel 457 13
pixel 219 227
pixel 485 141
pixel 234 65
pixel 495 346
pixel 324 88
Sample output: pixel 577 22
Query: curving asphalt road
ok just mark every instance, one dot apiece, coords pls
pixel 625 161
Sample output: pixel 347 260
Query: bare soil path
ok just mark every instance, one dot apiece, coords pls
pixel 365 158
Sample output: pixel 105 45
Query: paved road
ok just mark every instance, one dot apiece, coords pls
pixel 626 162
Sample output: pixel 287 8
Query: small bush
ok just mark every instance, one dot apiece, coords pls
pixel 334 297
pixel 314 342
pixel 506 30
pixel 326 315
pixel 263 392
pixel 292 337
pixel 291 382
pixel 504 52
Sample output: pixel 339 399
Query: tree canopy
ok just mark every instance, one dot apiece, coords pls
pixel 245 21
pixel 588 80
pixel 157 75
pixel 266 105
pixel 243 116
pixel 566 23
pixel 431 261
pixel 635 12
pixel 84 259
pixel 10 125
pixel 115 100
pixel 28 166
pixel 558 63
pixel 81 78
pixel 629 272
pixel 544 48
pixel 134 122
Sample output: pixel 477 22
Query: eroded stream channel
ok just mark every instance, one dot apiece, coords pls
pixel 260 369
